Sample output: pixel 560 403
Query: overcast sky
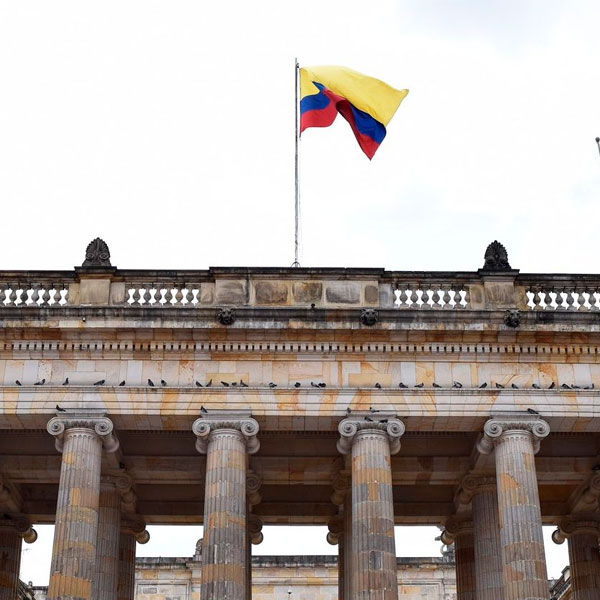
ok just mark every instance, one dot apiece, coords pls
pixel 167 129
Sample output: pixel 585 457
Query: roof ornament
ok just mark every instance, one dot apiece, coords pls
pixel 496 258
pixel 97 254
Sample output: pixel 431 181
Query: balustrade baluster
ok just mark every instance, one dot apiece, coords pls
pixel 446 297
pixel 168 295
pixel 147 294
pixel 178 296
pixel 136 295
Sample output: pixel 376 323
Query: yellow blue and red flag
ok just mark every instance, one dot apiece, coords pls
pixel 368 104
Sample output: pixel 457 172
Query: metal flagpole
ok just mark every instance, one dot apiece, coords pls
pixel 296 171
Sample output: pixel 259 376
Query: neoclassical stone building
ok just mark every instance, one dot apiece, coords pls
pixel 356 398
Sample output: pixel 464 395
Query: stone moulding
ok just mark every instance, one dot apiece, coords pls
pixel 473 484
pixel 381 422
pixel 97 422
pixel 530 425
pixel 239 421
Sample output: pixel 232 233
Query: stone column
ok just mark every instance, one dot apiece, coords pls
pixel 372 438
pixel 480 490
pixel 515 440
pixel 227 437
pixel 106 574
pixel 459 530
pixel 582 531
pixel 255 537
pixel 13 529
pixel 335 536
pixel 80 437
pixel 133 529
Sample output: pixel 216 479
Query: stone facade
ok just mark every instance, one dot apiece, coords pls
pixel 296 387
pixel 307 577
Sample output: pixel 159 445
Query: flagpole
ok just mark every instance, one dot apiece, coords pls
pixel 296 166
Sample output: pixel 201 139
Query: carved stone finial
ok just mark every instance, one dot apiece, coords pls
pixel 512 318
pixel 225 316
pixel 97 254
pixel 496 258
pixel 369 316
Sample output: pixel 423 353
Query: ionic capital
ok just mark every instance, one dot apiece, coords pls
pixel 382 423
pixel 136 526
pixel 94 421
pixel 456 526
pixel 473 484
pixel 255 526
pixel 574 524
pixel 21 524
pixel 336 530
pixel 499 427
pixel 221 421
pixel 253 483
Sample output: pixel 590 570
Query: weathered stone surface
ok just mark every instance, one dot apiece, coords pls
pixel 230 292
pixel 343 292
pixel 95 292
pixel 371 294
pixel 271 292
pixel 307 292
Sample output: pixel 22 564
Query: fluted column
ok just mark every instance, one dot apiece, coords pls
pixel 13 529
pixel 515 441
pixel 133 529
pixel 106 574
pixel 582 531
pixel 372 438
pixel 227 438
pixel 335 537
pixel 254 528
pixel 80 437
pixel 480 490
pixel 459 530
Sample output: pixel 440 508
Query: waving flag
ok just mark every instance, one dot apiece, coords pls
pixel 367 104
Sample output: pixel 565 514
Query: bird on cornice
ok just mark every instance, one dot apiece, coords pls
pixel 436 385
pixel 402 385
pixel 243 383
pixel 378 385
pixel 224 384
pixel 66 381
pixel 552 386
pixel 535 386
pixel 150 382
pixel 41 382
pixel 420 385
pixel 456 384
pixel 122 383
pixel 313 384
pixel 17 382
pixel 565 386
pixel 483 385
pixel 272 385
pixel 209 383
pixel 499 386
pixel 101 382
pixel 198 384
pixel 297 384
pixel 163 382
pixel 514 386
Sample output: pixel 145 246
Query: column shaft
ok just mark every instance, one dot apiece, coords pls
pixel 107 549
pixel 10 561
pixel 224 548
pixel 465 567
pixel 74 549
pixel 374 553
pixel 525 575
pixel 488 556
pixel 341 566
pixel 348 546
pixel 126 584
pixel 584 558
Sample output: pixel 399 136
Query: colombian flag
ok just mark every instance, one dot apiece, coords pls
pixel 368 104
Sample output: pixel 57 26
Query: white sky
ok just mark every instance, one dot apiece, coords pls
pixel 167 129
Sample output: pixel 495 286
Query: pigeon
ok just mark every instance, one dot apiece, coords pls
pixel 17 382
pixel 224 383
pixel 41 382
pixel 373 410
pixel 383 421
pixel 203 410
pixel 402 385
pixel 163 382
pixel 272 385
pixel 198 384
pixel 233 383
pixel 209 383
pixel 535 386
pixel 101 382
pixel 150 382
pixel 242 383
pixel 565 386
pixel 322 384
pixel 66 381
pixel 456 384
pixel 483 385
pixel 122 383
pixel 314 384
pixel 297 384
pixel 552 386
pixel 532 412
pixel 588 387
pixel 514 386
pixel 499 386
pixel 378 386
pixel 59 409
pixel 420 385
pixel 435 385
pixel 369 419
pixel 348 410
